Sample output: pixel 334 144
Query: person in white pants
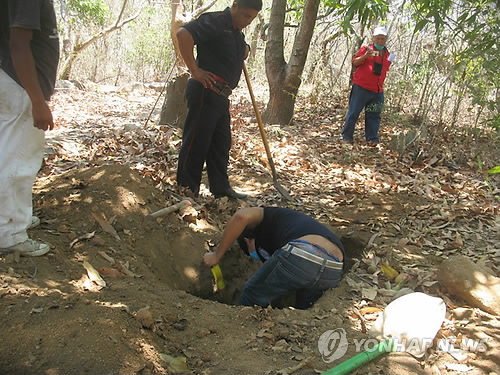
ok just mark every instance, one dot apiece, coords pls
pixel 29 54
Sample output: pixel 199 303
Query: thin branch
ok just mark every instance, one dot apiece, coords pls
pixel 121 12
pixel 105 32
pixel 203 9
pixel 321 16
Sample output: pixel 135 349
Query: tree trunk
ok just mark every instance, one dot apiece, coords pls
pixel 285 78
pixel 281 102
pixel 68 63
pixel 174 110
pixel 421 109
pixel 175 24
pixel 497 97
pixel 402 95
pixel 458 102
pixel 254 41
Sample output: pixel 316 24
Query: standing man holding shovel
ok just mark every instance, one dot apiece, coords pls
pixel 221 50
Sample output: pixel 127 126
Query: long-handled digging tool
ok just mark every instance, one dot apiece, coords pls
pixel 277 185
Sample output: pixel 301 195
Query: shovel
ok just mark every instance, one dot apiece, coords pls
pixel 409 323
pixel 277 185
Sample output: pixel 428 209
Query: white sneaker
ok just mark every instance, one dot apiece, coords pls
pixel 28 248
pixel 35 221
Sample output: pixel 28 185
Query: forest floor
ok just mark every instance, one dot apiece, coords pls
pixel 105 170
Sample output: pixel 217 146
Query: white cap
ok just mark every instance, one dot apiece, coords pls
pixel 380 30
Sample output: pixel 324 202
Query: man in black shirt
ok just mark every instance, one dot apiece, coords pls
pixel 29 54
pixel 299 254
pixel 221 50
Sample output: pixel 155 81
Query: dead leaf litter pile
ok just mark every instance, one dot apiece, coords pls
pixel 123 291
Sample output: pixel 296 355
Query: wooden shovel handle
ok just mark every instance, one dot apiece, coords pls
pixel 170 209
pixel 259 121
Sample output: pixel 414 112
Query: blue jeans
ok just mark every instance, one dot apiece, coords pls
pixel 285 272
pixel 373 102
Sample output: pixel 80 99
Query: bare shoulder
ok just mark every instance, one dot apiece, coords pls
pixel 253 215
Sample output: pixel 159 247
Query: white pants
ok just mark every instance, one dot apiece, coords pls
pixel 21 153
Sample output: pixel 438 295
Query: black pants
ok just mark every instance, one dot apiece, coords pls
pixel 206 138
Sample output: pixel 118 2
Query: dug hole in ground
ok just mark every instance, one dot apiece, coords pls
pixel 158 312
pixel 56 321
pixel 163 311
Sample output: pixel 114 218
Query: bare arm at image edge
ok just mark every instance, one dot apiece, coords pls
pixel 186 47
pixel 24 63
pixel 239 221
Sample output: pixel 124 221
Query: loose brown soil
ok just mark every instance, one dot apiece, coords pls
pixel 163 308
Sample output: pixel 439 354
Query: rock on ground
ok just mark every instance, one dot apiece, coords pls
pixel 475 284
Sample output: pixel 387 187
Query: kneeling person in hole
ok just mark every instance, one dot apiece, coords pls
pixel 299 255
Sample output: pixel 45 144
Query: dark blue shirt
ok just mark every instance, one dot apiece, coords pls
pixel 282 225
pixel 220 47
pixel 38 16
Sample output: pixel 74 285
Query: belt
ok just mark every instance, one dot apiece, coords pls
pixel 314 258
pixel 221 87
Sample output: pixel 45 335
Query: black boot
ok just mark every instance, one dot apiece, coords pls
pixel 231 194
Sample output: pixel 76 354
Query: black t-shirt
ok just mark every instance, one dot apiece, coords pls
pixel 282 225
pixel 220 47
pixel 38 16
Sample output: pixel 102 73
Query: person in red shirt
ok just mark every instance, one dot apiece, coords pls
pixel 372 63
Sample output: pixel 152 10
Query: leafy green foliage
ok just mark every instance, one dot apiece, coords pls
pixel 480 27
pixel 150 45
pixel 494 170
pixel 364 11
pixel 494 122
pixel 89 11
pixel 477 23
pixel 431 11
pixel 295 8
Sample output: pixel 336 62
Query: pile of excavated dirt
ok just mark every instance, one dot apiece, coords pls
pixel 148 266
pixel 149 318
